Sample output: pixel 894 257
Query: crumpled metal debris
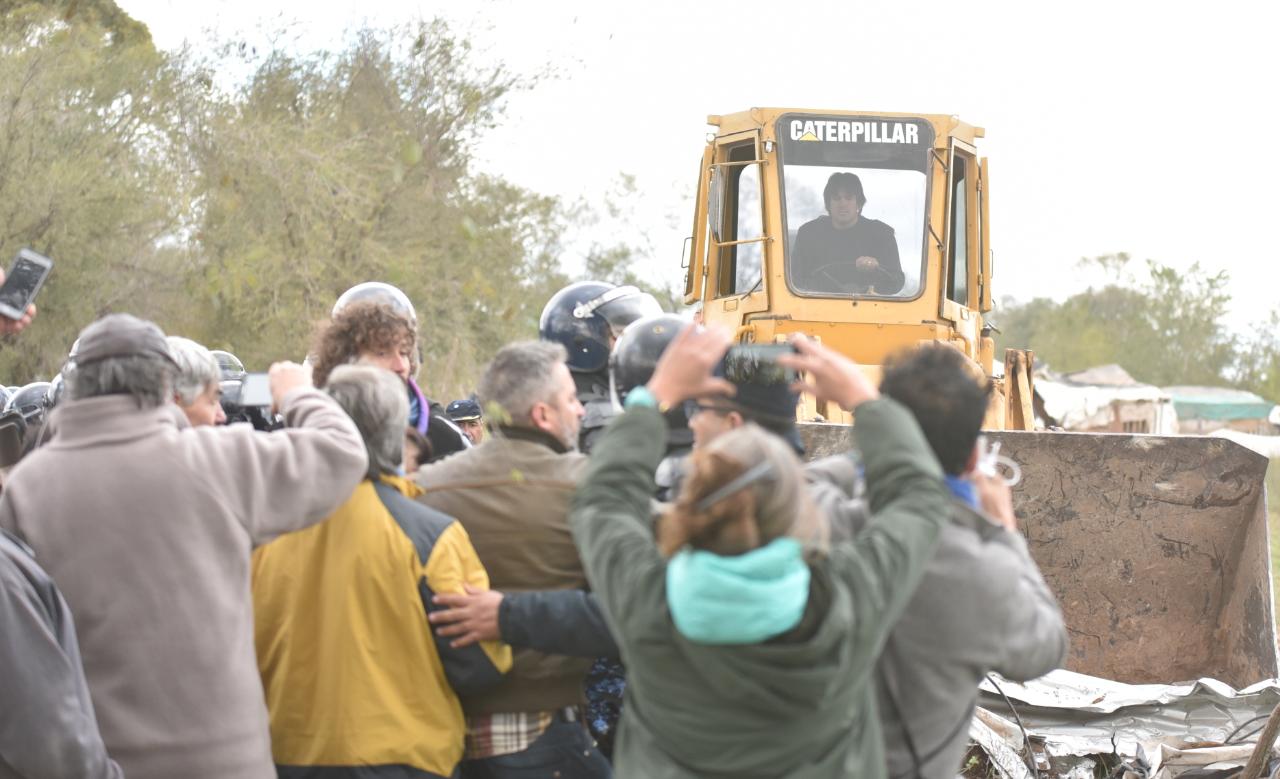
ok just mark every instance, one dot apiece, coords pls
pixel 1136 731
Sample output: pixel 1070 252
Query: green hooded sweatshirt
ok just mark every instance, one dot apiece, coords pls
pixel 800 705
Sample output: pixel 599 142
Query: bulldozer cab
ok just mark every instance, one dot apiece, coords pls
pixel 867 231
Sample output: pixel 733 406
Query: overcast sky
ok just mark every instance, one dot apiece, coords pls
pixel 1111 126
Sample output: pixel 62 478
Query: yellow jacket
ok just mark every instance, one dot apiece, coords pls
pixel 352 672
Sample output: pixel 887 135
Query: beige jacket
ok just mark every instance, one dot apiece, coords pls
pixel 512 495
pixel 146 525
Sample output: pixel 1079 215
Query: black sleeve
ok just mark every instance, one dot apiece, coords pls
pixel 892 277
pixel 558 622
pixel 803 258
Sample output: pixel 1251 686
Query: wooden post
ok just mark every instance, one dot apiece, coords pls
pixel 1019 411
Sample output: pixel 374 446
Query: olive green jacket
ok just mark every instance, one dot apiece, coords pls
pixel 801 705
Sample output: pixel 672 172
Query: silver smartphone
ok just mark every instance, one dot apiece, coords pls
pixel 23 282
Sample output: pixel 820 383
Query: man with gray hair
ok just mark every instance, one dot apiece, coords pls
pixel 361 581
pixel 197 386
pixel 148 529
pixel 512 495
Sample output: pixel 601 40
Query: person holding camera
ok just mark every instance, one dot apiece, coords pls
pixel 749 642
pixel 981 589
pixel 149 537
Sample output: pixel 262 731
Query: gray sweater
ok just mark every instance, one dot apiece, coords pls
pixel 146 525
pixel 982 606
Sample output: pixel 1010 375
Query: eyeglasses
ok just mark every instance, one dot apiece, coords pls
pixel 692 407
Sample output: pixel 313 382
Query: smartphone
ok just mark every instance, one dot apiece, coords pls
pixel 23 282
pixel 255 391
pixel 758 364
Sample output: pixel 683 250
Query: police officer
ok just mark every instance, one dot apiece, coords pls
pixel 231 375
pixel 586 318
pixel 631 365
pixel 467 415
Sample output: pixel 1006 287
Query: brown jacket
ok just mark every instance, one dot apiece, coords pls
pixel 146 524
pixel 512 494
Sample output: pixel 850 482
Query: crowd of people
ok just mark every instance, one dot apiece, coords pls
pixel 612 558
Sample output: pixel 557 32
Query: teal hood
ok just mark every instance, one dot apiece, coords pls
pixel 738 599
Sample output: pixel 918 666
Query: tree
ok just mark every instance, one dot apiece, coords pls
pixel 236 214
pixel 327 169
pixel 1259 360
pixel 1164 328
pixel 85 174
pixel 617 260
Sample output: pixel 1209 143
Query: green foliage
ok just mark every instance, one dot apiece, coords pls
pixel 84 176
pixel 1259 364
pixel 331 169
pixel 1164 328
pixel 237 215
pixel 615 262
pixel 24 17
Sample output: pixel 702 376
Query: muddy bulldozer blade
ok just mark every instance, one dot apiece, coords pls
pixel 1155 546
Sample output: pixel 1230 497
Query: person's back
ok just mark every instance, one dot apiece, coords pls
pixel 982 605
pixel 147 526
pixel 350 670
pixel 512 495
pixel 354 681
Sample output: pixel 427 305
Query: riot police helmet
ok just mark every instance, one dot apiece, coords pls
pixel 31 401
pixel 229 366
pixel 588 316
pixel 634 357
pixel 378 292
pixel 637 351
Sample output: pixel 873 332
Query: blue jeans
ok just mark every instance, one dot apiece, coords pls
pixel 565 751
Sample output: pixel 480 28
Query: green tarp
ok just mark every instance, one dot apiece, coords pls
pixel 1217 404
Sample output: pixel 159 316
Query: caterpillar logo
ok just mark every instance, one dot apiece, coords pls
pixel 838 131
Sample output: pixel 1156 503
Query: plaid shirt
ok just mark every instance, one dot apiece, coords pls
pixel 490 735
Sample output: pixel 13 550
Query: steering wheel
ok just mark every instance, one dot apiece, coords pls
pixel 842 274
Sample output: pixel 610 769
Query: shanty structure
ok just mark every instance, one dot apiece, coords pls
pixel 1203 410
pixel 1103 399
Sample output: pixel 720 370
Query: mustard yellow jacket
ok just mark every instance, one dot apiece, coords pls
pixel 352 672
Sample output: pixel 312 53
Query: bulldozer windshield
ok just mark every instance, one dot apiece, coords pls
pixel 854 199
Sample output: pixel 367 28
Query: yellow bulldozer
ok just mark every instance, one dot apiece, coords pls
pixel 870 232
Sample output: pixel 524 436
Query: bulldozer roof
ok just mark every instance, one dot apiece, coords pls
pixel 945 125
